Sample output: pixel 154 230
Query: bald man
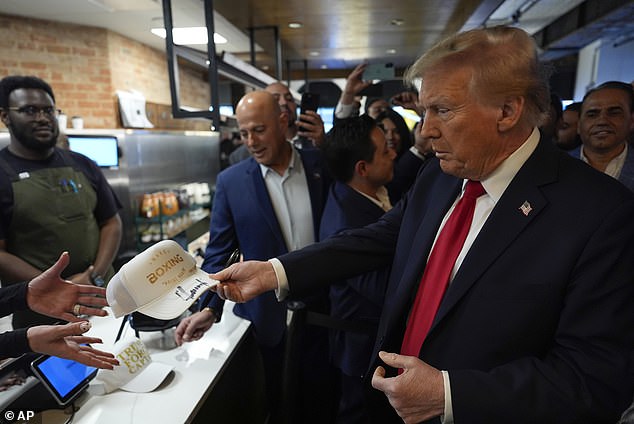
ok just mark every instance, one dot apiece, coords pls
pixel 312 133
pixel 265 206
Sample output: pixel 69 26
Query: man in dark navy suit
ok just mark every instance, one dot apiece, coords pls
pixel 265 206
pixel 361 162
pixel 535 322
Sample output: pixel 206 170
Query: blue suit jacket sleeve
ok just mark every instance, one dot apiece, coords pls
pixel 222 241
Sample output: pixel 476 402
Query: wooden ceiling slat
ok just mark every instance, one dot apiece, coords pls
pixel 347 32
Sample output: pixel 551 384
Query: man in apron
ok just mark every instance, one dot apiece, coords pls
pixel 51 200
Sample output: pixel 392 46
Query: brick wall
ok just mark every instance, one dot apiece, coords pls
pixel 86 65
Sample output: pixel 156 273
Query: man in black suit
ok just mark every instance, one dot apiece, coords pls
pixel 536 324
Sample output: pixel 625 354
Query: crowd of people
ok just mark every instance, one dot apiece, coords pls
pixel 477 268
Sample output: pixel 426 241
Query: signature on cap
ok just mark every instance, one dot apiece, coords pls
pixel 185 295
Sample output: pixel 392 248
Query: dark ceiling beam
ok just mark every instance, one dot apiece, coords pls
pixel 481 14
pixel 196 57
pixel 586 23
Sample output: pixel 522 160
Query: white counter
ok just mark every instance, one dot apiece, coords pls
pixel 196 368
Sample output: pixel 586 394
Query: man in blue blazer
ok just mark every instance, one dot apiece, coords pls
pixel 361 162
pixel 606 121
pixel 264 206
pixel 536 324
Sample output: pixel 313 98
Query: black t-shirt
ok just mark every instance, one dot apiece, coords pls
pixel 107 203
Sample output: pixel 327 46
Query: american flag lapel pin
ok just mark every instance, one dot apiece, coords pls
pixel 526 208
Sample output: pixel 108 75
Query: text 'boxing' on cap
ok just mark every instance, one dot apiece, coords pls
pixel 161 282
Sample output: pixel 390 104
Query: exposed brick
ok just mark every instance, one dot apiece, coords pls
pixel 57 49
pixel 31 66
pixel 86 65
pixel 84 51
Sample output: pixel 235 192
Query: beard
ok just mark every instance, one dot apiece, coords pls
pixel 25 136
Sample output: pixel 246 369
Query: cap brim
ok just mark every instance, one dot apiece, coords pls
pixel 149 379
pixel 173 303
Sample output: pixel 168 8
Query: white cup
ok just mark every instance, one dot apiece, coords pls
pixel 62 121
pixel 77 122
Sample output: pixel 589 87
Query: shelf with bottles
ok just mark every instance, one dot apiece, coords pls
pixel 168 215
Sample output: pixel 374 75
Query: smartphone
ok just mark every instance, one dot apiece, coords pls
pixel 379 71
pixel 310 101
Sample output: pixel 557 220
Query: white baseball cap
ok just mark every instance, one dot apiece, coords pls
pixel 161 282
pixel 136 371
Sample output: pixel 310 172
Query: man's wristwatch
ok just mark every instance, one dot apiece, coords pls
pixel 213 313
pixel 97 280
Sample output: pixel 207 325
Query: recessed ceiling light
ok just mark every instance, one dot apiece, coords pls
pixel 397 22
pixel 189 35
pixel 324 66
pixel 313 53
pixel 295 25
pixel 390 51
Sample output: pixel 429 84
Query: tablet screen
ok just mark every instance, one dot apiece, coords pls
pixel 65 379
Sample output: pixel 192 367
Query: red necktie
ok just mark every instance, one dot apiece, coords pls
pixel 436 275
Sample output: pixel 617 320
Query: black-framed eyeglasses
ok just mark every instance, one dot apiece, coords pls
pixel 34 111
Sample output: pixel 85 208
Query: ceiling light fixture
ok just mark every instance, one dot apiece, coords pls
pixel 295 25
pixel 313 53
pixel 390 51
pixel 189 35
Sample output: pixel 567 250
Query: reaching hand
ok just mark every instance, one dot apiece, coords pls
pixel 66 341
pixel 50 295
pixel 354 81
pixel 311 126
pixel 243 281
pixel 417 394
pixel 193 327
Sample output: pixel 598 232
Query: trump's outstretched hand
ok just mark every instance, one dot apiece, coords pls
pixel 243 281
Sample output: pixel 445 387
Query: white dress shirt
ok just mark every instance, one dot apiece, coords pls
pixel 291 202
pixel 383 200
pixel 615 166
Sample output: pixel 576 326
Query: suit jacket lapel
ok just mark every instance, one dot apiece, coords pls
pixel 260 193
pixel 519 205
pixel 316 191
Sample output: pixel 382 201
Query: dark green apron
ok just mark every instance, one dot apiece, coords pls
pixel 52 212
